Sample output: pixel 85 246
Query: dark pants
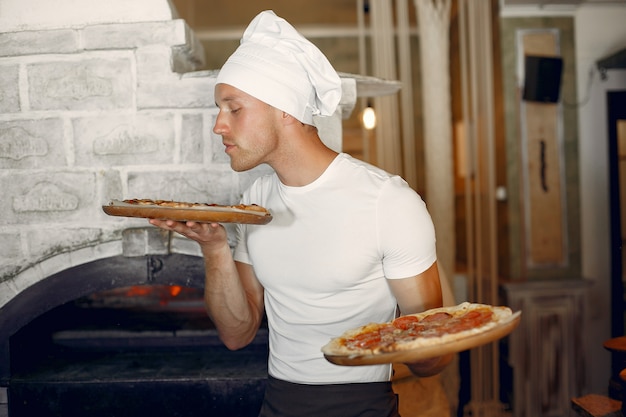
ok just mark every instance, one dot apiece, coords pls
pixel 286 399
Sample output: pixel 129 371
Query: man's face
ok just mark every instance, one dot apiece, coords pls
pixel 247 126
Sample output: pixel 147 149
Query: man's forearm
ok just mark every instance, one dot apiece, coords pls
pixel 226 300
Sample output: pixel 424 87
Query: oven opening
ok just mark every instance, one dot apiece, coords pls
pixel 130 350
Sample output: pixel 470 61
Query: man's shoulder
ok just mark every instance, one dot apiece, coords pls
pixel 378 177
pixel 349 162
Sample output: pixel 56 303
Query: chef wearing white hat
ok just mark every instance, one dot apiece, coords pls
pixel 349 243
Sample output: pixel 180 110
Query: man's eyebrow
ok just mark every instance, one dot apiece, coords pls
pixel 226 99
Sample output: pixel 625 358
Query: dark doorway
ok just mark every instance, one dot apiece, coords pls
pixel 616 109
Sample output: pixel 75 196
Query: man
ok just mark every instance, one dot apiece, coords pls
pixel 348 244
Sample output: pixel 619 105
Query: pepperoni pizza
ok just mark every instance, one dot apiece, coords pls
pixel 432 332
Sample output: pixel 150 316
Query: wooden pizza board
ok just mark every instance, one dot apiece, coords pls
pixel 427 352
pixel 204 214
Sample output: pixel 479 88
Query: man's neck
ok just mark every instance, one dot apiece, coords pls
pixel 305 164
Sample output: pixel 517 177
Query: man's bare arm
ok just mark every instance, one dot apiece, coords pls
pixel 232 294
pixel 414 295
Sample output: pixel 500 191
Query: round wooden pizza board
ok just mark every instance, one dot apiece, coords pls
pixel 208 214
pixel 427 352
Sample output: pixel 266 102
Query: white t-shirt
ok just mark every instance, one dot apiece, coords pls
pixel 324 260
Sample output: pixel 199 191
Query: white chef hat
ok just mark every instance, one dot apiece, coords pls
pixel 277 65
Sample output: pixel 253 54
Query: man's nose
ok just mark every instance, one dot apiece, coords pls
pixel 219 126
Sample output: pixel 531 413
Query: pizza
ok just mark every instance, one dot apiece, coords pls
pixel 424 334
pixel 182 205
pixel 185 211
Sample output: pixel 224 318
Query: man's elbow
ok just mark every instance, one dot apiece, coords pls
pixel 236 342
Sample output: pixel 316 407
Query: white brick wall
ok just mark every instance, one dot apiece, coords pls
pixel 107 111
pixel 92 114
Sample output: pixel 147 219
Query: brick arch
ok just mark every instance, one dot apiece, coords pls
pixel 87 278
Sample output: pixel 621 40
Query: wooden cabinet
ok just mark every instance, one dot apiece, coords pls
pixel 547 351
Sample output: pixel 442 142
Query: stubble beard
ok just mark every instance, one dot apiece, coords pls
pixel 249 157
pixel 246 159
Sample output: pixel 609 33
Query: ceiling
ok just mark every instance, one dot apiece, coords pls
pixel 557 2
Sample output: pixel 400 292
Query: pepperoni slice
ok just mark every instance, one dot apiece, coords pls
pixel 476 318
pixel 366 340
pixel 405 322
pixel 435 317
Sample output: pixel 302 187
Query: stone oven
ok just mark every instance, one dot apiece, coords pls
pixel 90 112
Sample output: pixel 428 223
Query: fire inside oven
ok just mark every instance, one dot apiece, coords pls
pixel 131 350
